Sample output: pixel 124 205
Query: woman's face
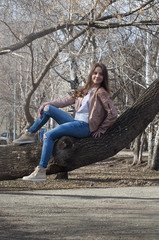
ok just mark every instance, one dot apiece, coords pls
pixel 97 77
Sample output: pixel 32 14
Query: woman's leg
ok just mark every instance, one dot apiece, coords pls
pixel 50 111
pixel 75 129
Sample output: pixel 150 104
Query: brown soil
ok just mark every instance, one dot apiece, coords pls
pixel 115 172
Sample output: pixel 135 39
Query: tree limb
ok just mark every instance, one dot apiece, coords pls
pixel 96 24
pixel 127 13
pixel 73 153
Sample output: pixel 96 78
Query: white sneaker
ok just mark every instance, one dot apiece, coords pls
pixel 38 175
pixel 26 137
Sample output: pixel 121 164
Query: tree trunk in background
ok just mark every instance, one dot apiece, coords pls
pixel 155 158
pixel 136 149
pixel 150 147
pixel 71 153
pixel 143 138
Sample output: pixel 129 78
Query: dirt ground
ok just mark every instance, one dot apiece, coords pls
pixel 115 172
pixel 109 200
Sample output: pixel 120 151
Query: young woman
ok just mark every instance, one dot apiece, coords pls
pixel 94 114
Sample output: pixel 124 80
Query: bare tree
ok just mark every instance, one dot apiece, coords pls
pixel 99 25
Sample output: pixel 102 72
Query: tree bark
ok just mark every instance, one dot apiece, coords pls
pixel 136 149
pixel 71 153
pixel 143 139
pixel 155 159
pixel 150 147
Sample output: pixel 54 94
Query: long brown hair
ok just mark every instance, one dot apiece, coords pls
pixel 81 92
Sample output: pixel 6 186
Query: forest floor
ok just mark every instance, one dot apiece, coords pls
pixel 113 172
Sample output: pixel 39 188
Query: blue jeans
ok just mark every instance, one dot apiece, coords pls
pixel 67 127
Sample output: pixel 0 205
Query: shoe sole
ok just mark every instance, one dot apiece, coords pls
pixel 24 142
pixel 34 180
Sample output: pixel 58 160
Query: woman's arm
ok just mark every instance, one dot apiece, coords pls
pixel 111 112
pixel 59 103
pixel 110 109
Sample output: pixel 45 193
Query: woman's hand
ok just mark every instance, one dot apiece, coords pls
pixel 96 134
pixel 40 110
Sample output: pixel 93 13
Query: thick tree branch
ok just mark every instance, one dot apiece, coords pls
pixel 95 24
pixel 103 25
pixel 75 153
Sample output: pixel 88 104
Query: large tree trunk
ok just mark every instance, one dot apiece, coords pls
pixel 71 153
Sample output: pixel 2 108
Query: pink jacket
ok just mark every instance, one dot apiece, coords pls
pixel 102 113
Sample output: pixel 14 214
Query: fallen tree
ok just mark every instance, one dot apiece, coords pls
pixel 71 153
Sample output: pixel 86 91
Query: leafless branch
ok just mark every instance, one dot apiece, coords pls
pixel 127 13
pixel 32 63
pixel 65 79
pixel 95 24
pixel 10 30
